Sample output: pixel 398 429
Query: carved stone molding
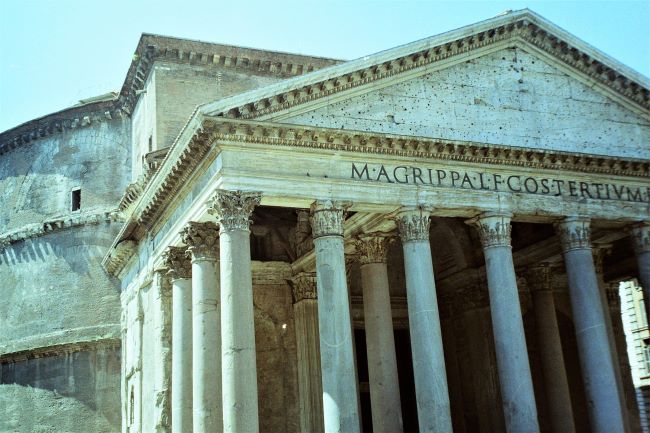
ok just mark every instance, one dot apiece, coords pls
pixel 413 225
pixel 327 218
pixel 202 240
pixel 233 209
pixel 641 238
pixel 175 259
pixel 575 234
pixel 303 286
pixel 494 229
pixel 373 247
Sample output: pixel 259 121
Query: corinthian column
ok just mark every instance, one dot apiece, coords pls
pixel 180 272
pixel 201 239
pixel 382 362
pixel 519 410
pixel 558 397
pixel 641 239
pixel 162 305
pixel 434 412
pixel 594 348
pixel 305 309
pixel 233 210
pixel 340 396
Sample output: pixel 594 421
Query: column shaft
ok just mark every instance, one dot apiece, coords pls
pixel 240 405
pixel 201 239
pixel 380 341
pixel 182 356
pixel 162 327
pixel 641 239
pixel 434 411
pixel 556 383
pixel 179 266
pixel 339 379
pixel 596 358
pixel 310 388
pixel 517 394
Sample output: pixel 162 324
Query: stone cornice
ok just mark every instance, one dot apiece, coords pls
pixel 280 134
pixel 56 224
pixel 60 349
pixel 522 28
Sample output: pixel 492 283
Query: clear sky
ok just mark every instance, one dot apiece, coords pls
pixel 53 53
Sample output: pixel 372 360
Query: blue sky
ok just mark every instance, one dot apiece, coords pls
pixel 53 53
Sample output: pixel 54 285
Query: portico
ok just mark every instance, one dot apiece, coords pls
pixel 268 206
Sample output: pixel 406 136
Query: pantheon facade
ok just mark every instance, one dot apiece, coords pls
pixel 427 239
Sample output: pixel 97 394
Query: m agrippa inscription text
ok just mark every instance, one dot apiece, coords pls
pixel 515 183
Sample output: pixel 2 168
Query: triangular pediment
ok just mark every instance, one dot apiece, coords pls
pixel 548 60
pixel 507 97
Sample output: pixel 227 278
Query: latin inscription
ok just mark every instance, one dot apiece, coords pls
pixel 477 180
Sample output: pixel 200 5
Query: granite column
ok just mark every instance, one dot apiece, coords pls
pixel 305 309
pixel 601 387
pixel 233 210
pixel 339 379
pixel 380 341
pixel 517 394
pixel 201 239
pixel 432 395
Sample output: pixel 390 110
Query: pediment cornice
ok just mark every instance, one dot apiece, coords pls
pixel 523 29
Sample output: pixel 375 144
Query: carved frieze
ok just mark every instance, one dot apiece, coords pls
pixel 202 240
pixel 303 286
pixel 175 259
pixel 493 229
pixel 233 209
pixel 373 247
pixel 575 234
pixel 641 238
pixel 413 225
pixel 327 218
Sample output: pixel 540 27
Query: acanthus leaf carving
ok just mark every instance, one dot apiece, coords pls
pixel 233 209
pixel 202 240
pixel 303 286
pixel 575 234
pixel 373 247
pixel 175 259
pixel 327 218
pixel 413 225
pixel 494 229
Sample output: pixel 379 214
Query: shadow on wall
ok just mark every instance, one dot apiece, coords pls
pixel 81 248
pixel 76 392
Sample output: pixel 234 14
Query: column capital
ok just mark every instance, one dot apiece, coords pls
pixel 303 286
pixel 202 240
pixel 494 229
pixel 327 217
pixel 373 247
pixel 641 237
pixel 175 259
pixel 413 224
pixel 233 209
pixel 575 233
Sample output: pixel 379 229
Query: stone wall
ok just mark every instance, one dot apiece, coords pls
pixel 59 349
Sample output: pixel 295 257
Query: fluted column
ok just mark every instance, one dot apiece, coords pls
pixel 233 210
pixel 201 239
pixel 518 396
pixel 432 395
pixel 340 394
pixel 641 239
pixel 180 274
pixel 305 309
pixel 595 354
pixel 380 341
pixel 556 382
